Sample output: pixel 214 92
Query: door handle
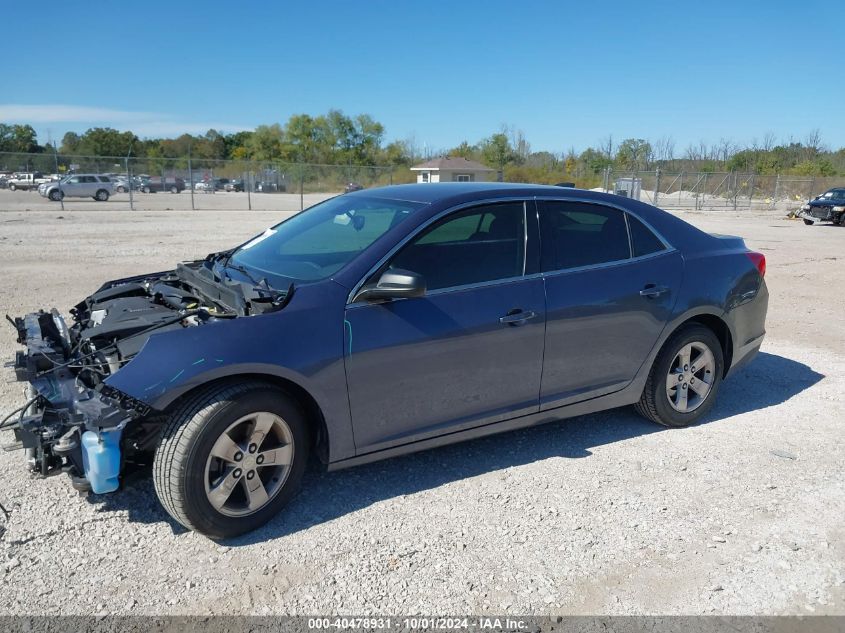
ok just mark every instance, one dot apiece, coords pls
pixel 653 290
pixel 517 317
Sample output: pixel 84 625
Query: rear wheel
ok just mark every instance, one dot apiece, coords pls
pixel 173 189
pixel 231 458
pixel 684 379
pixel 145 189
pixel 12 186
pixel 101 196
pixel 121 189
pixel 808 222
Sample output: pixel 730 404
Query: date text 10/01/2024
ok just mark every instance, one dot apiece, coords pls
pixel 442 623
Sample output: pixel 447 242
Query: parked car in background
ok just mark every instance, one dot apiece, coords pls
pixel 156 184
pixel 234 185
pixel 269 187
pixel 380 323
pixel 79 186
pixel 352 186
pixel 122 184
pixel 828 207
pixel 207 184
pixel 26 180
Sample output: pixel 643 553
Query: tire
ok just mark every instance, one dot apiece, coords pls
pixel 121 190
pixel 101 196
pixel 56 195
pixel 145 189
pixel 184 468
pixel 808 222
pixel 174 189
pixel 842 220
pixel 657 404
pixel 12 186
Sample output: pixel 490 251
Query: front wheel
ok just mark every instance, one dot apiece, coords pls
pixel 808 222
pixel 12 186
pixel 56 195
pixel 145 190
pixel 684 379
pixel 842 220
pixel 231 458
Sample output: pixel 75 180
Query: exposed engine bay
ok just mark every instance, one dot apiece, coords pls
pixel 73 420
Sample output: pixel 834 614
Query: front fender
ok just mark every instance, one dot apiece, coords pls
pixel 299 344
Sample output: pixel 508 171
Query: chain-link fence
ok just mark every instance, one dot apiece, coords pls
pixel 717 190
pixel 158 183
pixel 188 183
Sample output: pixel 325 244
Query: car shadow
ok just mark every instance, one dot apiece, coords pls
pixel 768 381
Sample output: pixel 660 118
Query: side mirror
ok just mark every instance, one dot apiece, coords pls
pixel 394 284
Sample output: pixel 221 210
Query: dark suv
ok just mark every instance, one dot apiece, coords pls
pixel 156 184
pixel 828 207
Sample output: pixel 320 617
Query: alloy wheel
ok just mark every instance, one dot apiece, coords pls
pixel 690 378
pixel 249 464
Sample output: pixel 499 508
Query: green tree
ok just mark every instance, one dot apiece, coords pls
pixel 18 138
pixel 106 141
pixel 266 142
pixel 634 153
pixel 497 151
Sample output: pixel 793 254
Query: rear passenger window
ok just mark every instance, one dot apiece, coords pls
pixel 643 240
pixel 576 234
pixel 104 178
pixel 473 246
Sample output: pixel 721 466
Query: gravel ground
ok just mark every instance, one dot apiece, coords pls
pixel 604 513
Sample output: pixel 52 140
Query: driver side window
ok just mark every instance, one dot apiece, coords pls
pixel 476 245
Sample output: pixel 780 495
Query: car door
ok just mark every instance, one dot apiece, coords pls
pixel 73 186
pixel 611 284
pixel 468 352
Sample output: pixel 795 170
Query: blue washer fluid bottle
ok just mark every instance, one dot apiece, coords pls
pixel 101 459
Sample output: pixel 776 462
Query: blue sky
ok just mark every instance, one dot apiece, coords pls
pixel 567 74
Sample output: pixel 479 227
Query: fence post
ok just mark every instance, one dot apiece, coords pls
pixel 681 188
pixel 56 158
pixel 777 191
pixel 656 186
pixel 736 185
pixel 129 184
pixel 812 188
pixel 703 191
pixel 301 186
pixel 751 193
pixel 191 181
pixel 247 186
pixel 391 175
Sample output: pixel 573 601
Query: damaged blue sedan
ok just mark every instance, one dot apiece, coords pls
pixel 379 323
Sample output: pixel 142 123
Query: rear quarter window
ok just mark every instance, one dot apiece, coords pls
pixel 643 239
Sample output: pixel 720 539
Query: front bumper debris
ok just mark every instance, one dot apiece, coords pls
pixel 65 425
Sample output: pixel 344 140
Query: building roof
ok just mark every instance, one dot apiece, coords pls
pixel 452 163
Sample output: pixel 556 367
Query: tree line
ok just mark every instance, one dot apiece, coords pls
pixel 335 138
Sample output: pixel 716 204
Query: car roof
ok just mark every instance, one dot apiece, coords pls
pixel 445 192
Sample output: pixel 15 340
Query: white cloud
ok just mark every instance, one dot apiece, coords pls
pixel 142 123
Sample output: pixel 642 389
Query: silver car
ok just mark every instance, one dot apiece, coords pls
pixel 80 186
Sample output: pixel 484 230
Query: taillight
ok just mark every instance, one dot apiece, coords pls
pixel 759 261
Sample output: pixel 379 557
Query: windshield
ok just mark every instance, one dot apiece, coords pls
pixel 321 240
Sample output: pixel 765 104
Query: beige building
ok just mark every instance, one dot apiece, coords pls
pixel 452 169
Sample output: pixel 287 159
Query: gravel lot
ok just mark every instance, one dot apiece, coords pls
pixel 606 513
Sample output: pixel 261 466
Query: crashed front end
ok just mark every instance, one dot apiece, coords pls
pixel 74 421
